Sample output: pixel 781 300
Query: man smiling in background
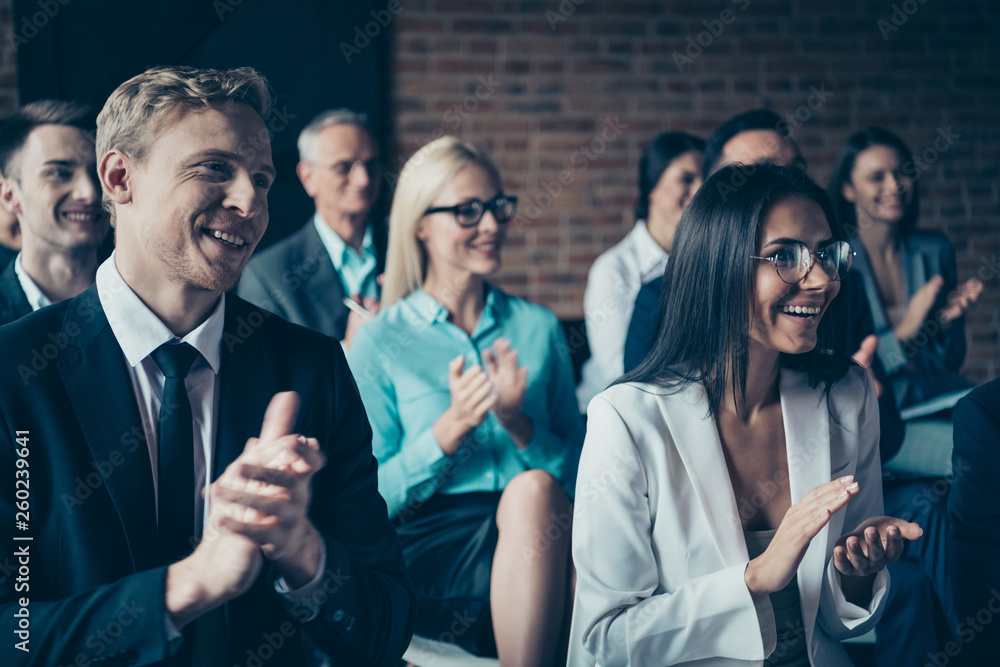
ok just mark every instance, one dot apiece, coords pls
pixel 47 156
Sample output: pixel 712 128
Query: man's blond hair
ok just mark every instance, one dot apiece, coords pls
pixel 134 114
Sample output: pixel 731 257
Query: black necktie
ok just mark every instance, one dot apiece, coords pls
pixel 175 453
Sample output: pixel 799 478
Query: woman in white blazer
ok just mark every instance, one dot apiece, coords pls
pixel 729 492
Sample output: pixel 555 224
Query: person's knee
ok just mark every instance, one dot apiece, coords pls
pixel 534 493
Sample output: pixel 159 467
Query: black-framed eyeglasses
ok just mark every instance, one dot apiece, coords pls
pixel 792 261
pixel 469 213
pixel 372 167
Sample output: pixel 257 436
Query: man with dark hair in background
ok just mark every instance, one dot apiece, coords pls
pixel 759 135
pixel 51 188
pixel 305 278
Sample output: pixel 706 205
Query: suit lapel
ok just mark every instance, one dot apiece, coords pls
pixel 99 388
pixel 807 442
pixel 861 262
pixel 696 439
pixel 13 302
pixel 245 367
pixel 323 294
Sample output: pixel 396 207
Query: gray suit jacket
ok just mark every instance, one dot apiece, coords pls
pixel 296 280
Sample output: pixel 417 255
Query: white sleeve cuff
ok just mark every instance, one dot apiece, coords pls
pixel 305 594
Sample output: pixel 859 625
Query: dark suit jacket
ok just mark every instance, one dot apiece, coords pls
pixel 295 279
pixel 642 331
pixel 7 256
pixel 93 565
pixel 13 303
pixel 974 529
pixel 927 365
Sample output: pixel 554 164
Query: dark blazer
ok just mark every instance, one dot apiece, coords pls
pixel 7 255
pixel 13 303
pixel 93 563
pixel 642 331
pixel 295 279
pixel 928 365
pixel 974 529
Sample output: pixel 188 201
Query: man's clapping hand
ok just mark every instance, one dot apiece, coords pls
pixel 257 508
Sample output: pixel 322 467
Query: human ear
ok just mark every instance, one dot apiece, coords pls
pixel 421 231
pixel 304 171
pixel 9 197
pixel 115 174
pixel 848 192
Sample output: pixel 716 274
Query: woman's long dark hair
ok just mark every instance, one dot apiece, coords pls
pixel 857 142
pixel 657 156
pixel 708 287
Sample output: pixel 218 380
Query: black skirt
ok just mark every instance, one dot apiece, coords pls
pixel 448 544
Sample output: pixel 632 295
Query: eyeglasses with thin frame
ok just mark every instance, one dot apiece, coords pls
pixel 469 213
pixel 372 166
pixel 792 261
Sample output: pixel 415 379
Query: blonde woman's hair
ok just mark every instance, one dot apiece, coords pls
pixel 421 179
pixel 136 111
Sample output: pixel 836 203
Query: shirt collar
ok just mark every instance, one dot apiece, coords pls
pixel 139 331
pixel 337 248
pixel 427 308
pixel 652 258
pixel 36 297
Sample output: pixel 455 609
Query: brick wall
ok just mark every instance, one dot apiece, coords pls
pixel 578 87
pixel 8 60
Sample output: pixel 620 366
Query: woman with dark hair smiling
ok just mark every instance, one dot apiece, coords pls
pixel 910 277
pixel 729 492
pixel 669 175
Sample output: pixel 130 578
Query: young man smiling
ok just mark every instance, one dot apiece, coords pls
pixel 232 546
pixel 47 156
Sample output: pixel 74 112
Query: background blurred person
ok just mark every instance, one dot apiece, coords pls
pixel 669 175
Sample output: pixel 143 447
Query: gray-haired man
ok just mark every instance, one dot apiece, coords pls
pixel 306 277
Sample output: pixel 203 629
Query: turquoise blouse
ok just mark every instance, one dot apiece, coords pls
pixel 400 362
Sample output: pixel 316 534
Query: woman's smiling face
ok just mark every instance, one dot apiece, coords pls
pixel 785 317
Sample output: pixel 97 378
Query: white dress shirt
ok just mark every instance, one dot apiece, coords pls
pixel 612 286
pixel 36 298
pixel 139 333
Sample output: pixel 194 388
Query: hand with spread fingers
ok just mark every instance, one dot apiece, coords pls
pixel 510 379
pixel 773 570
pixel 961 300
pixel 472 396
pixel 874 544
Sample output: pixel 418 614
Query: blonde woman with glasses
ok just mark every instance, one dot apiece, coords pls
pixel 470 394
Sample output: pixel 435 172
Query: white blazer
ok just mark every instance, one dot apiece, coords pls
pixel 657 539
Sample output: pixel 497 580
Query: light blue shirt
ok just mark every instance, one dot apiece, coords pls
pixel 400 362
pixel 356 270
